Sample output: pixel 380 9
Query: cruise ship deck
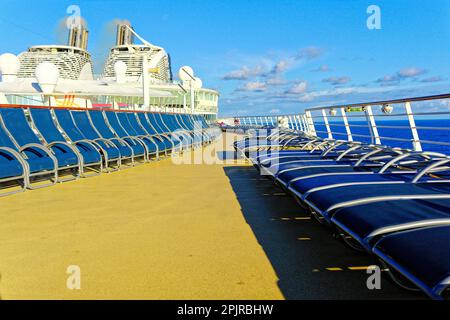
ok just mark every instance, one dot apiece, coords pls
pixel 167 231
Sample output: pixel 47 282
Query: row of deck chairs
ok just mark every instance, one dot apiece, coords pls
pixel 42 146
pixel 391 203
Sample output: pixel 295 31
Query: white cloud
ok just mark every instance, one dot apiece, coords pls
pixel 298 88
pixel 337 80
pixel 244 73
pixel 322 68
pixel 276 81
pixel 309 53
pixel 388 80
pixel 433 79
pixel 256 86
pixel 405 73
pixel 410 72
pixel 269 67
pixel 274 111
pixel 281 66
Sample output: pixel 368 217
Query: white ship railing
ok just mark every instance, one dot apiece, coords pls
pixel 418 123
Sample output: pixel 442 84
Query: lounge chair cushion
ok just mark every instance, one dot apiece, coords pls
pixel 9 168
pixel 362 220
pixel 423 253
pixel 324 199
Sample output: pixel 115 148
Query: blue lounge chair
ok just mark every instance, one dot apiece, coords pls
pixel 157 123
pixel 324 149
pixel 151 147
pixel 363 159
pixel 185 124
pixel 200 124
pixel 326 202
pixel 14 170
pixel 209 133
pixel 111 154
pixel 141 132
pixel 420 255
pixel 139 148
pixel 41 163
pixel 367 223
pixel 275 138
pixel 400 168
pixel 179 137
pixel 87 153
pixel 196 127
pixel 163 141
pixel 96 126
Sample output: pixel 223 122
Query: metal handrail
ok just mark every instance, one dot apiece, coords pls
pixel 382 102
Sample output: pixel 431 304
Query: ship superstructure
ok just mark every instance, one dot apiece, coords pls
pixel 73 60
pixel 133 55
pixel 135 76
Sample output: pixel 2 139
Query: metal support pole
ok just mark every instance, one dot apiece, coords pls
pixel 327 125
pixel 310 123
pixel 373 125
pixel 347 126
pixel 417 146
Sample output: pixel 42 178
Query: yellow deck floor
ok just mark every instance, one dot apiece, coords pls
pixel 156 231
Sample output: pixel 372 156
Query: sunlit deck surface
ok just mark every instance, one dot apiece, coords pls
pixel 166 231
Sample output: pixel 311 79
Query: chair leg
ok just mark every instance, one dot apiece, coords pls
pixel 53 178
pixel 23 185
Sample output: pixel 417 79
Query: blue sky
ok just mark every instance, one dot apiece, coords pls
pixel 267 56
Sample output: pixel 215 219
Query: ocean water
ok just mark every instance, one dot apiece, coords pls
pixel 388 135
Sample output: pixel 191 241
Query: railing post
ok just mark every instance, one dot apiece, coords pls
pixel 300 123
pixel 305 124
pixel 290 123
pixel 327 125
pixel 373 125
pixel 347 126
pixel 310 123
pixel 297 127
pixel 417 146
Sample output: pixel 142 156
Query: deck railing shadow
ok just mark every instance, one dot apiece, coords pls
pixel 309 262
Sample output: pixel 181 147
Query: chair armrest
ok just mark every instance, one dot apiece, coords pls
pixel 68 145
pixel 429 168
pixel 108 141
pixel 47 152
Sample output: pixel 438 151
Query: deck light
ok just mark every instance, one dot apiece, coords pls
pixel 387 109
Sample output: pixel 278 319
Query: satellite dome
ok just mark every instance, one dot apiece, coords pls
pixel 186 73
pixel 197 83
pixel 9 66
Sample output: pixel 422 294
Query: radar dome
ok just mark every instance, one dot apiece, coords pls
pixel 197 83
pixel 186 73
pixel 9 66
pixel 47 75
